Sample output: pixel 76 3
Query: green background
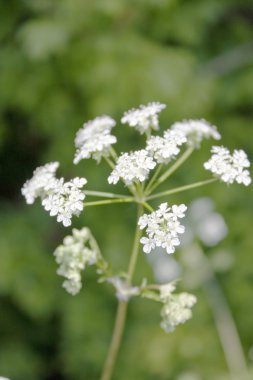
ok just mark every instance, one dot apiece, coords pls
pixel 63 63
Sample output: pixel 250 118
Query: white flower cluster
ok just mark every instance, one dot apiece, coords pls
pixel 94 139
pixel 165 148
pixel 162 227
pixel 143 118
pixel 65 200
pixel 73 256
pixel 61 199
pixel 177 311
pixel 196 130
pixel 177 307
pixel 132 167
pixel 42 181
pixel 229 168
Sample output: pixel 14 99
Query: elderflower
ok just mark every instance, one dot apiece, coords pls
pixel 177 310
pixel 42 181
pixel 73 256
pixel 94 139
pixel 165 148
pixel 132 167
pixel 143 118
pixel 196 131
pixel 162 227
pixel 229 168
pixel 65 200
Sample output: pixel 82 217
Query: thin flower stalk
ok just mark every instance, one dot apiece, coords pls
pixel 181 189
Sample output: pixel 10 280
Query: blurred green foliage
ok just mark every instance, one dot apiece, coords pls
pixel 65 62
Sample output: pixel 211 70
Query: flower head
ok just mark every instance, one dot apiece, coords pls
pixel 42 181
pixel 73 256
pixel 143 118
pixel 229 168
pixel 177 310
pixel 61 199
pixel 94 139
pixel 132 167
pixel 196 131
pixel 162 227
pixel 165 148
pixel 65 200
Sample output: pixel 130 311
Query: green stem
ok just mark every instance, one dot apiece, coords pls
pixel 173 168
pixel 135 249
pixel 104 194
pixel 155 175
pixel 181 188
pixel 147 206
pixel 109 162
pixel 109 201
pixel 122 309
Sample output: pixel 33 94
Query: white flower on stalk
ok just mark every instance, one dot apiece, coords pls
pixel 229 168
pixel 41 183
pixel 73 256
pixel 65 200
pixel 162 227
pixel 165 148
pixel 94 139
pixel 143 118
pixel 132 167
pixel 176 310
pixel 196 130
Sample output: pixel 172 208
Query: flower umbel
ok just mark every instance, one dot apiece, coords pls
pixel 94 139
pixel 132 167
pixel 143 118
pixel 162 227
pixel 164 149
pixel 229 168
pixel 61 199
pixel 73 256
pixel 196 131
pixel 42 181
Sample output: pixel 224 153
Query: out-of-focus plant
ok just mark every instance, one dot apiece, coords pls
pixel 64 199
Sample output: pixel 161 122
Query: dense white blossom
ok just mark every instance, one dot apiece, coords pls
pixel 162 227
pixel 61 199
pixel 196 130
pixel 65 200
pixel 94 139
pixel 176 310
pixel 73 256
pixel 165 148
pixel 143 118
pixel 229 168
pixel 132 167
pixel 42 181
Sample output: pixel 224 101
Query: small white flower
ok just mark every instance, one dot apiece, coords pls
pixel 65 200
pixel 165 148
pixel 166 290
pixel 143 118
pixel 73 256
pixel 42 181
pixel 196 130
pixel 94 139
pixel 176 310
pixel 229 168
pixel 132 167
pixel 162 228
